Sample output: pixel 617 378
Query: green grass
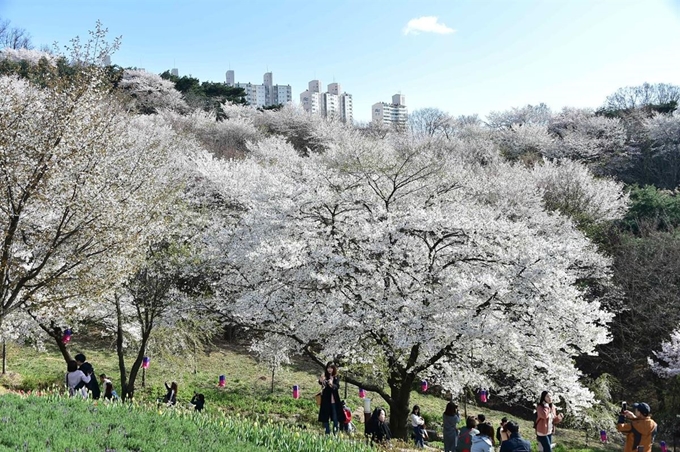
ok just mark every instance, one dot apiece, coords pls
pixel 247 392
pixel 59 423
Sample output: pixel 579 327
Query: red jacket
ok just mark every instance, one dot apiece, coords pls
pixel 544 412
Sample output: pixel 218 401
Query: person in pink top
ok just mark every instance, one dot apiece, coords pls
pixel 546 418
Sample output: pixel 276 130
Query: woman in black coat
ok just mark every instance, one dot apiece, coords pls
pixel 378 429
pixel 331 405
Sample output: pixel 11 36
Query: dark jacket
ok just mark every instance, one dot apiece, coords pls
pixel 378 431
pixel 325 408
pixel 170 396
pixel 515 444
pixel 93 385
pixel 198 402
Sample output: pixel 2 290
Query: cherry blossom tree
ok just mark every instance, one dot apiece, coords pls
pixel 226 138
pixel 31 56
pixel 666 362
pixel 416 261
pixel 595 140
pixel 529 114
pixel 83 184
pixel 273 352
pixel 151 93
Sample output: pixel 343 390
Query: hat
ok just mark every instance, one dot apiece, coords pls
pixel 512 427
pixel 643 408
pixel 80 357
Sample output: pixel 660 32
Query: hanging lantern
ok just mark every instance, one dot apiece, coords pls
pixel 367 406
pixel 603 436
pixel 664 448
pixel 66 338
pixel 362 393
pixel 222 381
pixel 296 392
pixel 423 385
pixel 145 362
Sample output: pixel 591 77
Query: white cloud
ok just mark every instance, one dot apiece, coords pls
pixel 426 24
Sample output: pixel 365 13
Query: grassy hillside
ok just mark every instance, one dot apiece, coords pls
pixel 60 424
pixel 247 394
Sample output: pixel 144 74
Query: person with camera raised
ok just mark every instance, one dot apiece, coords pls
pixel 546 418
pixel 638 426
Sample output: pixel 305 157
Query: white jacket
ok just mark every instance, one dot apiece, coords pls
pixel 72 380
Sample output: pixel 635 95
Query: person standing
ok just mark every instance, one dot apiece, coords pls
pixel 515 443
pixel 87 369
pixel 451 419
pixel 546 418
pixel 640 429
pixel 418 424
pixel 330 398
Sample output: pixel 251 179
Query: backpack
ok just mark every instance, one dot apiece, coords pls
pixel 499 438
pixel 535 419
pixel 464 441
pixel 347 413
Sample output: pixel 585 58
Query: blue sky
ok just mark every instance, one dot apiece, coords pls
pixel 476 56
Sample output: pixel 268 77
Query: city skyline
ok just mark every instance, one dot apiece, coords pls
pixel 462 57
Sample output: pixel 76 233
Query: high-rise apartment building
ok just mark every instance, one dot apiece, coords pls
pixel 264 95
pixel 390 115
pixel 333 103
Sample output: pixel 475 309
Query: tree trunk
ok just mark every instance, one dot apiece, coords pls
pixel 62 347
pixel 128 381
pixel 400 392
pixel 56 333
pixel 137 364
pixel 125 391
pixel 273 380
pixel 4 357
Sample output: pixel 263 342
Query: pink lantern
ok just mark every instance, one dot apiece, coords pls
pixel 362 393
pixel 664 448
pixel 603 436
pixel 145 362
pixel 222 381
pixel 423 385
pixel 296 392
pixel 66 338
